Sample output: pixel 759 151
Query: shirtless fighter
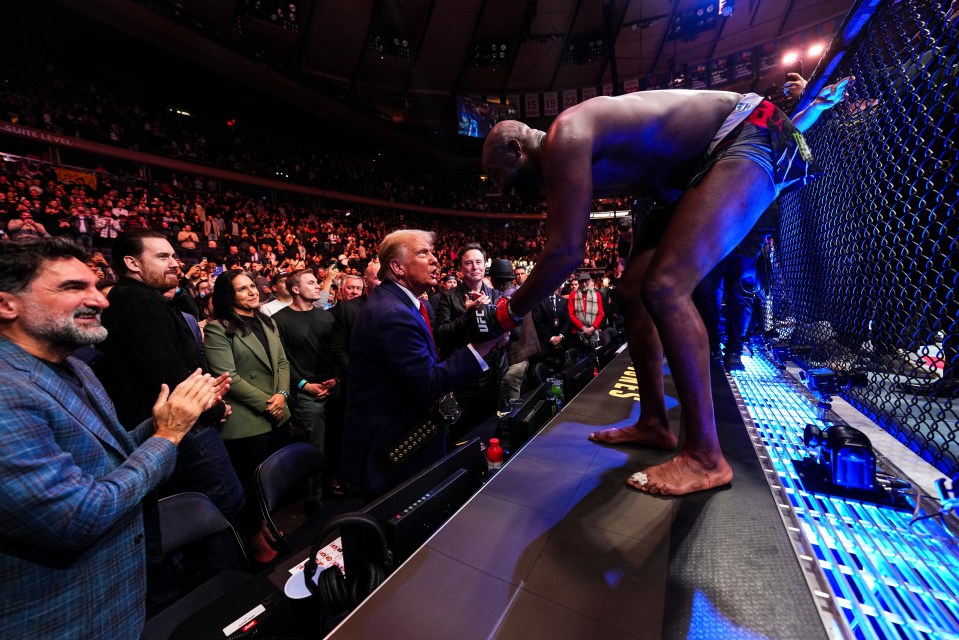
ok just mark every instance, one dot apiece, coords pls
pixel 721 158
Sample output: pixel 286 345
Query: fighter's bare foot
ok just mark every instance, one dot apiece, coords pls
pixel 651 437
pixel 681 475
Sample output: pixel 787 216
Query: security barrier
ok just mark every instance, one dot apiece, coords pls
pixel 865 267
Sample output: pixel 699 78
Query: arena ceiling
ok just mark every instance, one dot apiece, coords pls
pixel 397 53
pixel 495 47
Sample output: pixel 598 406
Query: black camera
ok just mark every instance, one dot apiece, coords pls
pixel 845 456
pixel 781 353
pixel 826 382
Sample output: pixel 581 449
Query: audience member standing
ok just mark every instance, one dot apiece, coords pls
pixel 448 283
pixel 522 343
pixel 149 344
pixel 553 327
pixel 586 311
pixel 188 240
pixel 246 344
pixel 73 549
pixel 351 287
pixel 520 273
pixel 395 372
pixel 478 398
pixel 282 295
pixel 306 333
pixel 344 315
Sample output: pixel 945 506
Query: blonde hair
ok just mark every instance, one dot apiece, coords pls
pixel 394 247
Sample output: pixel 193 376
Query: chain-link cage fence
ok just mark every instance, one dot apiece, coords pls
pixel 866 273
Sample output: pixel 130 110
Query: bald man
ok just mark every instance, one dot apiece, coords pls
pixel 719 158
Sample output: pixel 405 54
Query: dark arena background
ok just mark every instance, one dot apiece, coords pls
pixel 363 116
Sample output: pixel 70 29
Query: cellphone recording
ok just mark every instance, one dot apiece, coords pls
pixel 794 67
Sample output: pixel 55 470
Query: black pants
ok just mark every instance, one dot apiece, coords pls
pixel 246 454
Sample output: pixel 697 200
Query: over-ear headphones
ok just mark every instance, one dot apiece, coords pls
pixel 340 595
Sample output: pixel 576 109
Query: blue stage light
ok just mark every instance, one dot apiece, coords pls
pixel 888 578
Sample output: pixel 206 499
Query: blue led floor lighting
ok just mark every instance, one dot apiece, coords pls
pixel 879 576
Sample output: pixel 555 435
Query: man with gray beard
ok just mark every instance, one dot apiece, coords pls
pixel 71 477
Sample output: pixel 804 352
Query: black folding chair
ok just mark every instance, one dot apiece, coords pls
pixel 185 518
pixel 282 477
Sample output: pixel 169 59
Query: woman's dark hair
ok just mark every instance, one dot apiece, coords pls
pixel 224 297
pixel 21 259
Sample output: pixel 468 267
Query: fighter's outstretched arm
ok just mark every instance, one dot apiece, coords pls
pixel 828 98
pixel 567 164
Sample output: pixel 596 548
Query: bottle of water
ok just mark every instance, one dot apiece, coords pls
pixel 557 393
pixel 494 456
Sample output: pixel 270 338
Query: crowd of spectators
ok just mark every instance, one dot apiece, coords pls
pixel 43 99
pixel 233 227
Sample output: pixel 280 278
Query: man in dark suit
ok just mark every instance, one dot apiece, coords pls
pixel 395 372
pixel 73 545
pixel 553 326
pixel 344 317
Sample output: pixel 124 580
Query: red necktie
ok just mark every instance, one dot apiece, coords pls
pixel 426 319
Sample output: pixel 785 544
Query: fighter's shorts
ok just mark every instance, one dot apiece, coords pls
pixel 757 130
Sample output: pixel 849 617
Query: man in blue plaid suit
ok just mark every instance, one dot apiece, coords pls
pixel 72 547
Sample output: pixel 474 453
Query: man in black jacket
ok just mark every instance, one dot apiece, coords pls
pixel 149 344
pixel 477 398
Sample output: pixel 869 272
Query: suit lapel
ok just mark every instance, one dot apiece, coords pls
pixel 97 396
pixel 45 379
pixel 253 344
pixel 273 339
pixel 405 300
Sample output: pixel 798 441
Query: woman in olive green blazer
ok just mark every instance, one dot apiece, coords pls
pixel 245 343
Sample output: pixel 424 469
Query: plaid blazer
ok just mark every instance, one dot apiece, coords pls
pixel 72 548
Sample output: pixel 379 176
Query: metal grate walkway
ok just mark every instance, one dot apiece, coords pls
pixel 878 576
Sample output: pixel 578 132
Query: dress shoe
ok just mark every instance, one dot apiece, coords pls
pixel 260 549
pixel 733 362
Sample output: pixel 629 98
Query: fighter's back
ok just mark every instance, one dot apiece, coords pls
pixel 645 141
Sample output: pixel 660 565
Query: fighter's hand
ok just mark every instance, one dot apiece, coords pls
pixel 483 348
pixel 488 321
pixel 175 413
pixel 835 93
pixel 555 340
pixel 795 85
